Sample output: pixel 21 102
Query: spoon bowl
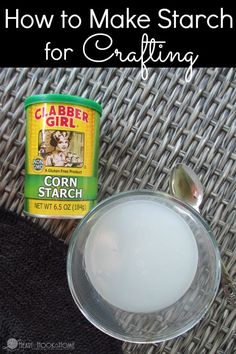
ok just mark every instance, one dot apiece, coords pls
pixel 186 186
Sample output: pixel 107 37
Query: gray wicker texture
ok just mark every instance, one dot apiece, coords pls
pixel 146 127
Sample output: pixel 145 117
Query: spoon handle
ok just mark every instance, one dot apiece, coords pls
pixel 186 186
pixel 228 285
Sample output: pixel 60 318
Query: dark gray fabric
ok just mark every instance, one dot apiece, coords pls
pixel 35 301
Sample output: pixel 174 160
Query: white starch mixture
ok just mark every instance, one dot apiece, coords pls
pixel 141 256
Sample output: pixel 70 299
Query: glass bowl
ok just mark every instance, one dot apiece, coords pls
pixel 143 267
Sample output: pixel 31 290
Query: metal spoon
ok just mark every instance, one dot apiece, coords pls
pixel 186 186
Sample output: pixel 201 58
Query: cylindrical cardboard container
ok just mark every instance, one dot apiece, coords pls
pixel 62 144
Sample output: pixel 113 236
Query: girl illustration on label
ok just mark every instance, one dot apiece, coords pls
pixel 60 155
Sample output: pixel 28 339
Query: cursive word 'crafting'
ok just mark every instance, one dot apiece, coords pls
pixel 150 51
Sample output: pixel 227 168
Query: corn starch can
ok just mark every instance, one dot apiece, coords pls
pixel 62 142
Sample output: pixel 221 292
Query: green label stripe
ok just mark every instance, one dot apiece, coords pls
pixel 60 187
pixel 96 142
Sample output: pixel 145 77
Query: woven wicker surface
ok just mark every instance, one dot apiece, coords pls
pixel 146 127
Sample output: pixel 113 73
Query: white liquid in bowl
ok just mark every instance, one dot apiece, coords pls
pixel 141 256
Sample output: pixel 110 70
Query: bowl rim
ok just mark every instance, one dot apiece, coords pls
pixel 97 208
